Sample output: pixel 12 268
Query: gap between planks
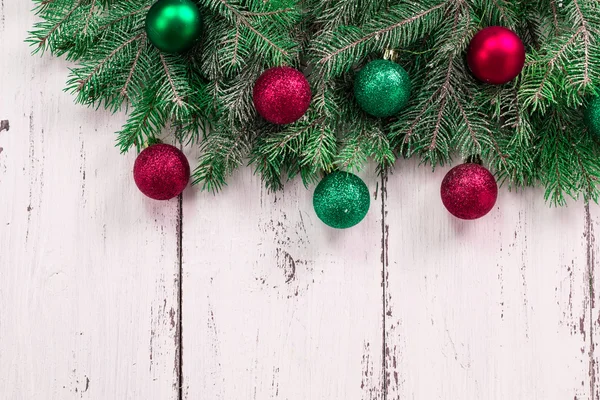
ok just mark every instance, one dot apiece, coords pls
pixel 385 230
pixel 590 300
pixel 590 261
pixel 590 256
pixel 179 331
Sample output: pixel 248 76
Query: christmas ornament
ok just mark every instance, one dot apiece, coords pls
pixel 496 55
pixel 174 26
pixel 161 172
pixel 341 200
pixel 469 191
pixel 382 88
pixel 281 95
pixel 592 116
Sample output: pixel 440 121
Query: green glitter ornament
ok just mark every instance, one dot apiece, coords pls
pixel 382 88
pixel 341 200
pixel 592 116
pixel 174 26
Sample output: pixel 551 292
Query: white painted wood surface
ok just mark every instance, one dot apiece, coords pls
pixel 99 287
pixel 89 270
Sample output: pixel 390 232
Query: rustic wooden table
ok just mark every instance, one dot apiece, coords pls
pixel 107 295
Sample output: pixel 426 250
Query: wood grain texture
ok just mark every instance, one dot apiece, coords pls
pixel 411 304
pixel 495 309
pixel 591 321
pixel 88 268
pixel 275 305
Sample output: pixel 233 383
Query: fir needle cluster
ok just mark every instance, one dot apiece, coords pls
pixel 530 132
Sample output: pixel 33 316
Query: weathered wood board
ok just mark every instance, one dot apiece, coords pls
pixel 275 305
pixel 89 269
pixel 246 295
pixel 496 309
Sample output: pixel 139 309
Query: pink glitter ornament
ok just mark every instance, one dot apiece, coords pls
pixel 282 95
pixel 161 172
pixel 469 191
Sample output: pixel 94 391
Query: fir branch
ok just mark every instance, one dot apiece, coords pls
pixel 285 143
pixel 501 155
pixel 176 97
pixel 467 122
pixel 417 119
pixel 586 42
pixel 529 132
pixel 495 12
pixel 266 13
pixel 103 62
pixel 241 19
pixel 443 94
pixel 554 13
pixel 320 149
pixel 566 57
pixel 89 17
pixel 44 40
pixel 141 46
pixel 222 152
pixel 589 180
pixel 429 126
pixel 236 44
pixel 501 10
pixel 124 17
pixel 331 14
pixel 542 91
pixel 330 57
pixel 144 123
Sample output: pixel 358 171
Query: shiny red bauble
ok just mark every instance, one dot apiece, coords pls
pixel 496 55
pixel 469 191
pixel 161 172
pixel 281 95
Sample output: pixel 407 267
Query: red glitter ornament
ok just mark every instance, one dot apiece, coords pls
pixel 161 172
pixel 469 191
pixel 282 95
pixel 496 55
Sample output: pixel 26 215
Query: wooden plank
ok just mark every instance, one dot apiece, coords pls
pixel 591 321
pixel 275 304
pixel 492 309
pixel 88 268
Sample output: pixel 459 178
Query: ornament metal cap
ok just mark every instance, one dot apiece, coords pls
pixel 391 55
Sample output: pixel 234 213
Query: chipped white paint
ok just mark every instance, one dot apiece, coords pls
pixel 412 304
pixel 88 269
pixel 275 306
pixel 497 309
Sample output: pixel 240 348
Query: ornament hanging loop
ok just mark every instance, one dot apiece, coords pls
pixel 474 159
